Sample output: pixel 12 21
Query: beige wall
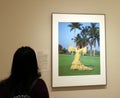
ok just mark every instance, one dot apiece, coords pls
pixel 28 22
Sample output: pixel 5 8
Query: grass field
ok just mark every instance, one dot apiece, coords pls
pixel 65 62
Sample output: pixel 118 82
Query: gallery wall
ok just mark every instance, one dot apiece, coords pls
pixel 28 22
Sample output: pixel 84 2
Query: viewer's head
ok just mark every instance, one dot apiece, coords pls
pixel 24 63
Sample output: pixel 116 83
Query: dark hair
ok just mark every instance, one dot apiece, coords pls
pixel 79 44
pixel 24 66
pixel 24 69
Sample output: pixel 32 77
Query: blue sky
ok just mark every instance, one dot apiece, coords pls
pixel 65 35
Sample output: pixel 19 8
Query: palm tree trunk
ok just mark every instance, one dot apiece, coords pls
pixel 90 50
pixel 94 51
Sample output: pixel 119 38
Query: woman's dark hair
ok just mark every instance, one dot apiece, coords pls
pixel 24 65
pixel 24 70
pixel 79 45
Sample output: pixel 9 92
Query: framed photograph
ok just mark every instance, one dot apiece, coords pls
pixel 78 50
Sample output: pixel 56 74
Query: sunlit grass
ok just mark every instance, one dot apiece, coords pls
pixel 65 62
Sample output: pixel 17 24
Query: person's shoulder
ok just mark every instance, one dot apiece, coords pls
pixel 41 81
pixel 3 84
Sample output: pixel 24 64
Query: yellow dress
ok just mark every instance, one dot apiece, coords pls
pixel 76 64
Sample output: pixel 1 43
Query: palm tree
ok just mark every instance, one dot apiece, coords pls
pixel 78 39
pixel 74 26
pixel 90 43
pixel 84 33
pixel 93 37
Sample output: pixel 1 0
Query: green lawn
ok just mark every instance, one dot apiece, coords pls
pixel 65 62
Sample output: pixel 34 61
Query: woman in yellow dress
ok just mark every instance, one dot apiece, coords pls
pixel 76 64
